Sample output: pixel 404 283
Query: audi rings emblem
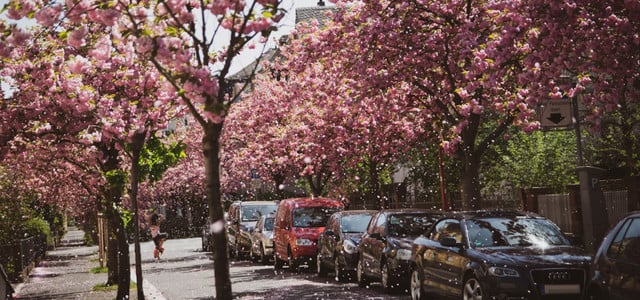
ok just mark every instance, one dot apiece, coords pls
pixel 558 276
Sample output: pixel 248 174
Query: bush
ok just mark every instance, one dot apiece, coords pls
pixel 36 227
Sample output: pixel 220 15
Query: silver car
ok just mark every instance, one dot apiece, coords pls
pixel 262 240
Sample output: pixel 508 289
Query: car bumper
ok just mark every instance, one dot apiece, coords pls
pixel 349 262
pixel 304 251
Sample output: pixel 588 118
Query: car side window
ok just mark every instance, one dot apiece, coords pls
pixel 381 224
pixel 616 244
pixel 372 223
pixel 630 244
pixel 287 219
pixel 447 228
pixel 333 223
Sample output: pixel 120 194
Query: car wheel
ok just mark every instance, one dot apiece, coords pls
pixel 263 258
pixel 338 271
pixel 387 278
pixel 362 279
pixel 320 268
pixel 472 289
pixel 417 290
pixel 293 263
pixel 252 255
pixel 277 263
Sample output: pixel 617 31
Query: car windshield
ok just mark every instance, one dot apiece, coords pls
pixel 312 216
pixel 499 232
pixel 254 212
pixel 355 223
pixel 409 225
pixel 268 224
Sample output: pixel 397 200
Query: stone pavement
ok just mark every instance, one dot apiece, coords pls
pixel 65 273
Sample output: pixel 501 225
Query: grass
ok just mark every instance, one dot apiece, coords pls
pixel 104 288
pixel 98 270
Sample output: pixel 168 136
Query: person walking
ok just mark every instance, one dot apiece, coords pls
pixel 157 236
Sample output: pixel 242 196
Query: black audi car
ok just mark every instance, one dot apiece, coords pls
pixel 497 255
pixel 385 247
pixel 338 244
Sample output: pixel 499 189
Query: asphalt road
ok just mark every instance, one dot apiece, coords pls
pixel 185 272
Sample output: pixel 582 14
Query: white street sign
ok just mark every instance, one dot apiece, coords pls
pixel 556 113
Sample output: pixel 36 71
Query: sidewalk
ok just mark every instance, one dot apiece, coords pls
pixel 65 273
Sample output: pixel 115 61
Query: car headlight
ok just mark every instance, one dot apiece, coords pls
pixel 401 254
pixel 304 242
pixel 503 272
pixel 349 247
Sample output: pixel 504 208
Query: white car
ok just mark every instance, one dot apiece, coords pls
pixel 262 240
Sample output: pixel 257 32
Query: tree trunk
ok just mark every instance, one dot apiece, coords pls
pixel 124 268
pixel 112 248
pixel 136 148
pixel 315 183
pixel 211 149
pixel 118 252
pixel 470 181
pixel 112 196
pixel 374 186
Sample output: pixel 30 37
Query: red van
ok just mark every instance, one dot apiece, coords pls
pixel 297 225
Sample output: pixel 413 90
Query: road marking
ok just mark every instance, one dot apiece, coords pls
pixel 150 291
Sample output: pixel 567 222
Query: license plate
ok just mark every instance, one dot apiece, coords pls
pixel 561 289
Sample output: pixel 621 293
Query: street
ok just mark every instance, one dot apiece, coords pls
pixel 185 272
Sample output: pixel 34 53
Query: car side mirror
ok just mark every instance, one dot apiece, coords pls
pixel 450 242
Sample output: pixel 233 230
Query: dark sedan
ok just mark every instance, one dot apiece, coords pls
pixel 497 255
pixel 385 248
pixel 338 244
pixel 615 273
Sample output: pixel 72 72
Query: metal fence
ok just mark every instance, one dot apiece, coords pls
pixel 19 258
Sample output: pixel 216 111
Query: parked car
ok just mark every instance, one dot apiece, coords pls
pixel 385 247
pixel 242 217
pixel 615 271
pixel 262 240
pixel 298 223
pixel 497 255
pixel 338 244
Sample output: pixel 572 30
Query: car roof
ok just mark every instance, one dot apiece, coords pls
pixel 395 211
pixel 312 201
pixel 356 212
pixel 489 213
pixel 255 203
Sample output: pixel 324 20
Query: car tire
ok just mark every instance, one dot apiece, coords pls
pixel 320 267
pixel 362 278
pixel 253 256
pixel 293 263
pixel 472 289
pixel 337 270
pixel 417 288
pixel 387 279
pixel 263 258
pixel 277 263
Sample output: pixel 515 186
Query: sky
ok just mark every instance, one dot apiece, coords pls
pixel 285 26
